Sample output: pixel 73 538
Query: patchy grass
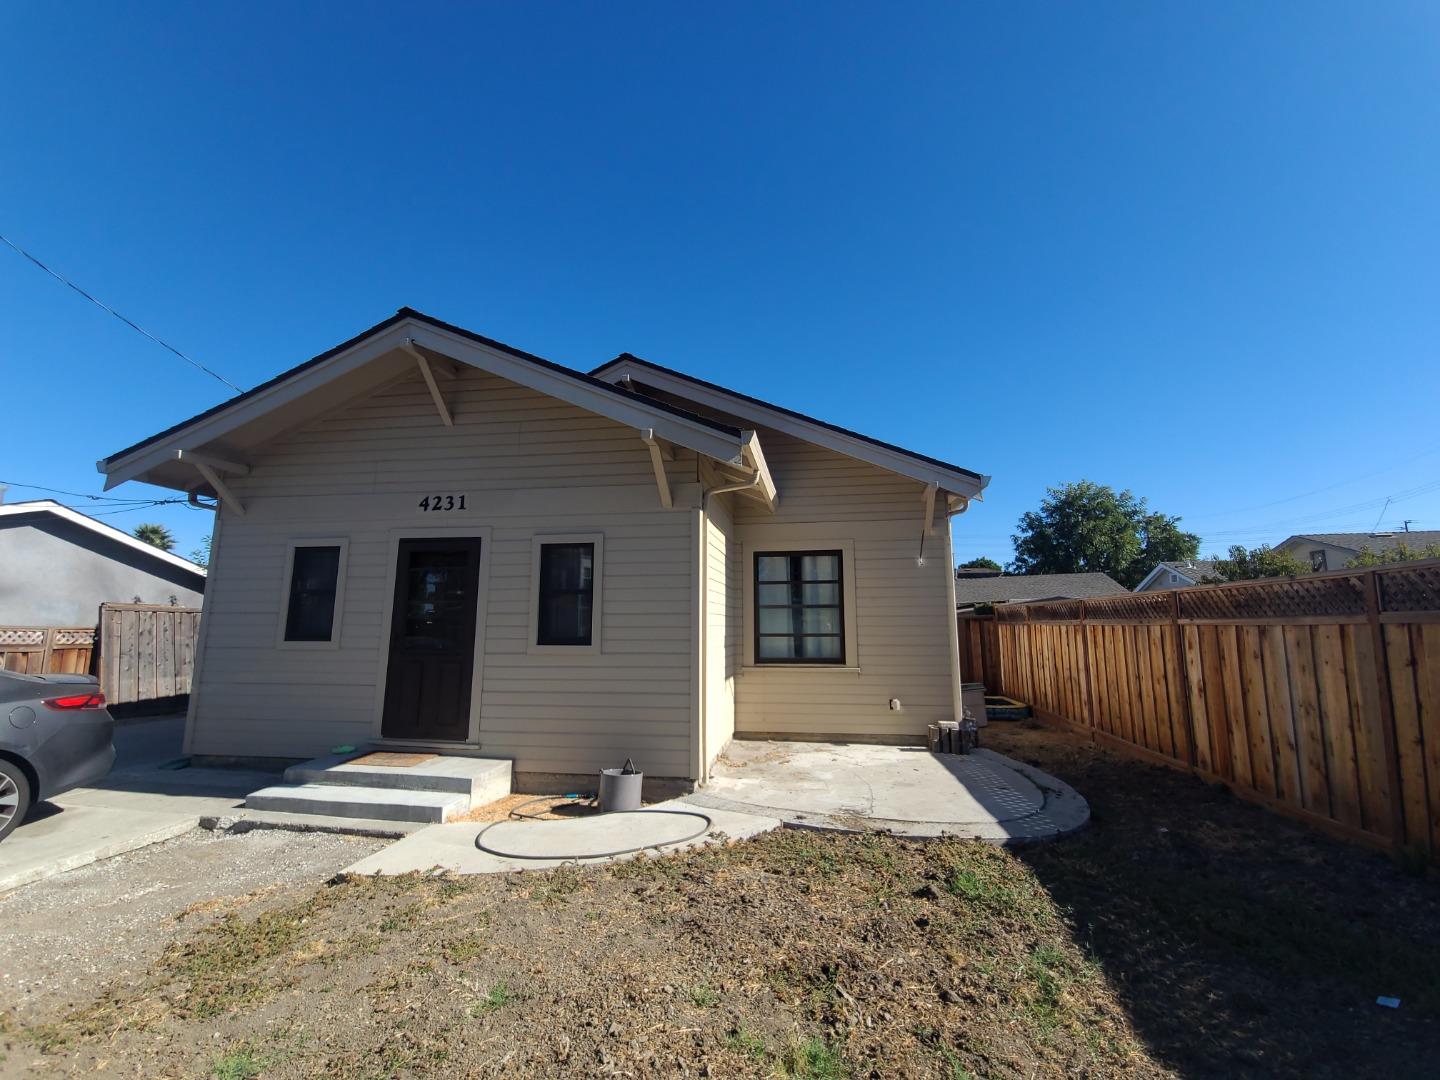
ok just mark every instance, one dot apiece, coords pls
pixel 816 1058
pixel 495 999
pixel 1181 934
pixel 703 997
pixel 242 1062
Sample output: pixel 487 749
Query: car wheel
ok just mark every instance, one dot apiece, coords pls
pixel 14 797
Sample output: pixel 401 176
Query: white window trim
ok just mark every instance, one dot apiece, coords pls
pixel 597 622
pixel 343 543
pixel 847 578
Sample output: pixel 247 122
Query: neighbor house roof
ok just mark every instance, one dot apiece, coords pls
pixel 1009 588
pixel 1192 570
pixel 922 467
pixel 119 536
pixel 1377 542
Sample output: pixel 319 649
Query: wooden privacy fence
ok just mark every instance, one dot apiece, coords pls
pixel 1318 696
pixel 38 650
pixel 980 650
pixel 145 651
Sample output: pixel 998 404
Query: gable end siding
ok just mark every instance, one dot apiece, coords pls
pixel 527 464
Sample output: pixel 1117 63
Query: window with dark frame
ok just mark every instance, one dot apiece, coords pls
pixel 314 574
pixel 567 595
pixel 799 607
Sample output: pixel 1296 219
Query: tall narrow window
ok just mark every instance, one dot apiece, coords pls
pixel 566 606
pixel 799 608
pixel 310 611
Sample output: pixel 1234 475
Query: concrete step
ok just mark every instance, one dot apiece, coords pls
pixel 481 780
pixel 354 801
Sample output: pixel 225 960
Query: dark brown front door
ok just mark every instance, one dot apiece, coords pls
pixel 432 640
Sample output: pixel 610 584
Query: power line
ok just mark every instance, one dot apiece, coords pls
pixel 106 307
pixel 80 494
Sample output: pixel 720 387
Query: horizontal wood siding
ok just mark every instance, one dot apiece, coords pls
pixel 527 464
pixel 902 644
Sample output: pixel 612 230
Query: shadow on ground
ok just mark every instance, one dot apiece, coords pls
pixel 1240 943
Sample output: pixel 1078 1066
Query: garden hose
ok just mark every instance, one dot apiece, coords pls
pixel 517 813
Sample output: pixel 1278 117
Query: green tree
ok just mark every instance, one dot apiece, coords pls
pixel 982 563
pixel 155 535
pixel 1087 527
pixel 1261 562
pixel 1401 552
pixel 201 555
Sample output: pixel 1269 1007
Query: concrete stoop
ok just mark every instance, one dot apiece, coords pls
pixel 335 786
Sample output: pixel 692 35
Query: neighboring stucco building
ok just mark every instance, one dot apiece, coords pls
pixel 57 566
pixel 1177 575
pixel 973 588
pixel 1331 551
pixel 428 538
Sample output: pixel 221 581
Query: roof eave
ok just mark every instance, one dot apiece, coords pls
pixel 927 470
pixel 715 440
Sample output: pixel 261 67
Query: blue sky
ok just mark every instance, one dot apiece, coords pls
pixel 1188 249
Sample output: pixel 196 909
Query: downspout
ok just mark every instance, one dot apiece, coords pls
pixel 956 694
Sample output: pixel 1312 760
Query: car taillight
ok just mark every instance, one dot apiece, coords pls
pixel 77 701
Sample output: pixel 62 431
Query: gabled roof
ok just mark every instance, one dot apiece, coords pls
pixel 1008 588
pixel 885 455
pixel 1192 571
pixel 119 536
pixel 280 402
pixel 1376 542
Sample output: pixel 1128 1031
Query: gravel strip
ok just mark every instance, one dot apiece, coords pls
pixel 64 938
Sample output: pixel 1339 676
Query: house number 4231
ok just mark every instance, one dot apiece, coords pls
pixel 431 504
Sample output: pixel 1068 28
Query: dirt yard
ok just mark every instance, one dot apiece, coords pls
pixel 1182 934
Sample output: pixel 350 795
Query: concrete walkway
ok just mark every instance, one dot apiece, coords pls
pixel 556 843
pixel 759 786
pixel 138 804
pixel 905 790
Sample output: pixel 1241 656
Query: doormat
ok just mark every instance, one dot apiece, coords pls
pixel 390 759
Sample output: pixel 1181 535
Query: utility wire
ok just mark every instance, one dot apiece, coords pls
pixel 106 307
pixel 80 494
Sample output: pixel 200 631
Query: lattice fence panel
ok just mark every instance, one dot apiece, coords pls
pixel 22 637
pixel 1410 588
pixel 1056 611
pixel 1129 608
pixel 1291 598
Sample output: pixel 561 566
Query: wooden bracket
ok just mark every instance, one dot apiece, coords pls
pixel 928 498
pixel 420 358
pixel 225 495
pixel 195 457
pixel 657 462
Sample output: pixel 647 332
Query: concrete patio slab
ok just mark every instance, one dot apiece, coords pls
pixel 452 847
pixel 901 789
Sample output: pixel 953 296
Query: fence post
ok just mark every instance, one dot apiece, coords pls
pixel 1177 645
pixel 1387 705
pixel 1090 720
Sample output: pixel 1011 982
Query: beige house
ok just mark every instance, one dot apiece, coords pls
pixel 1332 551
pixel 426 538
